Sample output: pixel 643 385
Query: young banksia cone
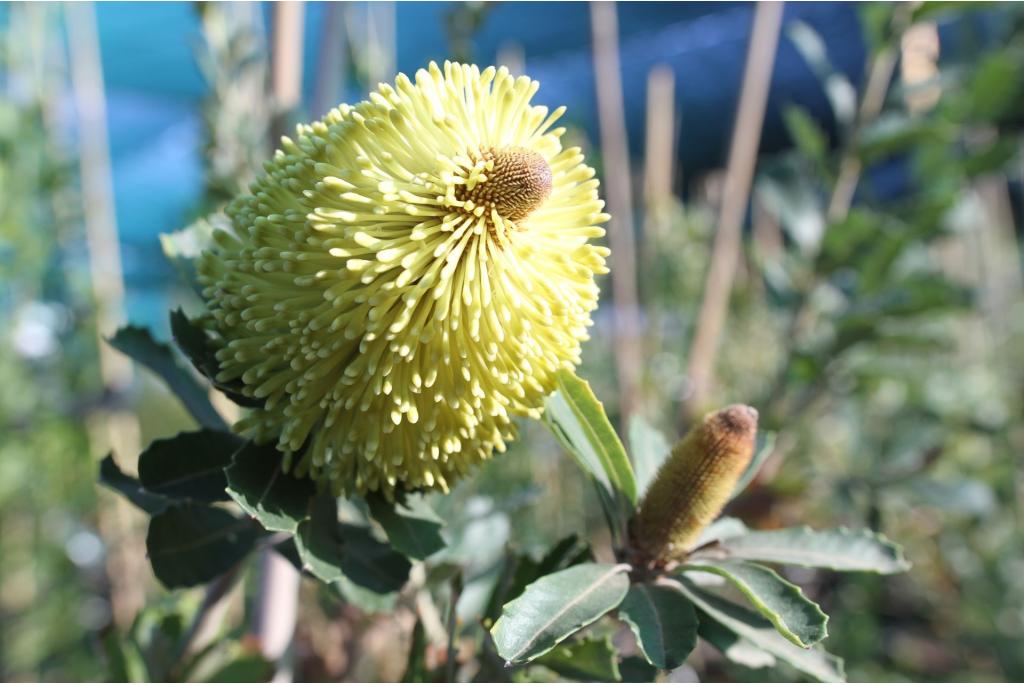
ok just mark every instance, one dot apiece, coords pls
pixel 693 484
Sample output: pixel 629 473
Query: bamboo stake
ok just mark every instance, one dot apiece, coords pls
pixel 659 159
pixel 615 156
pixel 735 196
pixel 126 561
pixel 660 149
pixel 277 609
pixel 286 63
pixel 331 61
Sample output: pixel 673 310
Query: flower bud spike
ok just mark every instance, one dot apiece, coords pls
pixel 693 485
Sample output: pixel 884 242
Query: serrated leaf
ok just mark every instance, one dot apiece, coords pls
pixel 797 618
pixel 589 660
pixel 751 626
pixel 555 606
pixel 579 422
pixel 114 478
pixel 138 344
pixel 649 448
pixel 411 526
pixel 189 465
pixel 257 482
pixel 664 622
pixel 332 550
pixel 839 549
pixel 191 544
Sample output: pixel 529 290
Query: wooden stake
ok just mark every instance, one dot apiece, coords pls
pixel 121 527
pixel 735 198
pixel 617 175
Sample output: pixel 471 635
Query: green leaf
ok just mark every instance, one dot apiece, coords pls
pixel 555 606
pixel 807 135
pixel 416 670
pixel 257 482
pixel 840 549
pixel 411 526
pixel 635 669
pixel 764 448
pixel 192 544
pixel 521 570
pixel 183 247
pixel 247 668
pixel 583 428
pixel 649 449
pixel 797 618
pixel 138 344
pixel 195 343
pixel 664 622
pixel 189 465
pixel 814 662
pixel 589 660
pixel 332 550
pixel 725 527
pixel 840 92
pixel 116 479
pixel 732 646
pixel 366 600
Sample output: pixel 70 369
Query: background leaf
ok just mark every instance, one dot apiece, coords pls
pixel 589 660
pixel 332 550
pixel 195 343
pixel 189 465
pixel 664 622
pixel 554 607
pixel 797 618
pixel 191 544
pixel 763 449
pixel 840 549
pixel 732 646
pixel 138 344
pixel 649 448
pixel 114 478
pixel 257 482
pixel 411 526
pixel 578 420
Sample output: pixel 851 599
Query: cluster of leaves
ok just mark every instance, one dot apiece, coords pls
pixel 534 606
pixel 668 611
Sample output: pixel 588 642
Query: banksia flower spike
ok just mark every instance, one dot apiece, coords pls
pixel 406 278
pixel 693 485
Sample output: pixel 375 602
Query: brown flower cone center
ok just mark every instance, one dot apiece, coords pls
pixel 518 183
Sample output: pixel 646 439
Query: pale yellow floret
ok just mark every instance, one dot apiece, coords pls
pixel 406 278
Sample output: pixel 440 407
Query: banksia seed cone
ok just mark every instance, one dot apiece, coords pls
pixel 693 484
pixel 406 278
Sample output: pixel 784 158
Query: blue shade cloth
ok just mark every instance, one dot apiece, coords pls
pixel 155 89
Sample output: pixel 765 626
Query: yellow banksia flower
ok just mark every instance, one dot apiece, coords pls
pixel 406 279
pixel 694 484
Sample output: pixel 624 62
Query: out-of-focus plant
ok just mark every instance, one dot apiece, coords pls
pixel 53 595
pixel 890 356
